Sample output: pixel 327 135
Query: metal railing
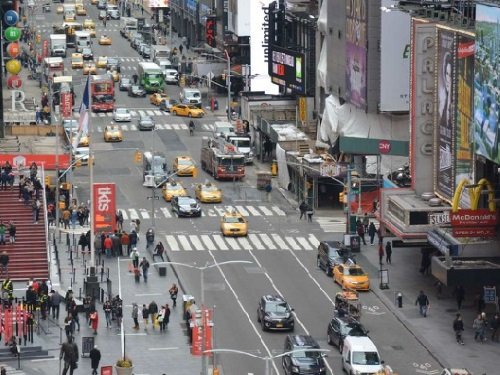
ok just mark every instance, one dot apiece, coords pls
pixel 46 221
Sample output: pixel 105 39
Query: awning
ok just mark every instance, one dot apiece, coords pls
pixel 322 67
pixel 322 18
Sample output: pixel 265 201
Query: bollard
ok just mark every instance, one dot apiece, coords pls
pixel 68 242
pixel 71 255
pixel 107 273
pixel 102 274
pixel 399 300
pixel 79 293
pixel 74 274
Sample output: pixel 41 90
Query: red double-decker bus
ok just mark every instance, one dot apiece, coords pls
pixel 102 93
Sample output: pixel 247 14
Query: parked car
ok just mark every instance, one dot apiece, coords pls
pixel 301 362
pixel 136 91
pixel 186 206
pixel 331 253
pixel 274 313
pixel 114 14
pixel 125 83
pixel 136 41
pixel 146 51
pixel 103 15
pixel 341 327
pixel 102 4
pixel 145 122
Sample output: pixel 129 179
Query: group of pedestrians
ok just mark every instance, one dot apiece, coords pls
pixel 74 213
pixel 160 317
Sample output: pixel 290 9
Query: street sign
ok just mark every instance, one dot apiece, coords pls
pixel 490 294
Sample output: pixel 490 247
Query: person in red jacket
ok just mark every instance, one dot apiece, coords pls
pixel 108 245
pixel 94 321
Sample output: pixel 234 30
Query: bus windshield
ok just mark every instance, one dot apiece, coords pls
pixel 232 161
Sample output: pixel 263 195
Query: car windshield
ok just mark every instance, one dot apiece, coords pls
pixel 122 111
pixel 210 188
pixel 146 120
pixel 192 107
pixel 70 124
pixel 112 60
pixel 174 187
pixel 241 142
pixel 234 220
pixel 365 358
pixel 303 354
pixel 86 51
pixel 356 271
pixel 276 307
pixel 353 329
pixel 185 162
pixel 103 98
pixel 113 128
pixel 126 80
pixel 136 88
pixel 185 201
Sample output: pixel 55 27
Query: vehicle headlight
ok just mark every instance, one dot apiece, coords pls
pixel 251 153
pixel 322 369
pixel 295 369
pixel 267 318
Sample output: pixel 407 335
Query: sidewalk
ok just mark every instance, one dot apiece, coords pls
pixel 435 332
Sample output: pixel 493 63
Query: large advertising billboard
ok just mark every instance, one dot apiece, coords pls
pixel 394 59
pixel 287 68
pixel 486 82
pixel 445 117
pixel 159 3
pixel 104 207
pixel 465 107
pixel 356 52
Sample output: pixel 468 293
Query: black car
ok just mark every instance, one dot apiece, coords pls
pixel 331 253
pixel 87 54
pixel 146 52
pixel 101 4
pixel 186 206
pixel 136 91
pixel 302 362
pixel 125 83
pixel 275 313
pixel 341 327
pixel 145 122
pixel 113 64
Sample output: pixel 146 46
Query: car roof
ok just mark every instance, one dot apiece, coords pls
pixel 346 319
pixel 303 341
pixel 358 343
pixel 273 298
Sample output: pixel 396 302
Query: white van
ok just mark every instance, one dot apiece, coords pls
pixel 360 355
pixel 191 96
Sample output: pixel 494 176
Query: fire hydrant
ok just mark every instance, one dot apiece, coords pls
pixel 274 168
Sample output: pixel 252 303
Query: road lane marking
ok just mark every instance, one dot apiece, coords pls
pixel 175 126
pixel 196 242
pixel 144 213
pixel 313 240
pixel 183 126
pixel 184 242
pixel 232 243
pixel 124 214
pixel 304 243
pixel 292 243
pixel 266 210
pixel 242 210
pixel 208 242
pixel 133 127
pixel 253 211
pixel 278 210
pixel 133 214
pixel 244 243
pixel 267 241
pixel 220 242
pixel 172 243
pixel 160 126
pixel 282 245
pixel 165 211
pixel 220 210
pixel 256 241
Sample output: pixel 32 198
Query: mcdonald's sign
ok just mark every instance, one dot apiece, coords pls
pixel 474 222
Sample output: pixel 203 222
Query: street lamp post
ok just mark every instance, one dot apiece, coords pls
pixel 228 79
pixel 268 359
pixel 202 292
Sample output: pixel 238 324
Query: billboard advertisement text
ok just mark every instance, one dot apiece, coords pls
pixel 287 68
pixel 104 207
pixel 486 82
pixel 356 52
pixel 445 117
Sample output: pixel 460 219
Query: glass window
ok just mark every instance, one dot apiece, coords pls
pixel 356 271
pixel 365 358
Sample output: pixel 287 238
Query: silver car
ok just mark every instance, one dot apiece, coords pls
pixel 122 114
pixel 146 122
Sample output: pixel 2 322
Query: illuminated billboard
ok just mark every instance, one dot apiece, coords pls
pixel 287 68
pixel 356 52
pixel 159 3
pixel 444 180
pixel 486 82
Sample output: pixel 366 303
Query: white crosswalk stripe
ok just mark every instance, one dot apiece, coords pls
pixel 207 211
pixel 150 113
pixel 278 211
pixel 159 113
pixel 175 126
pixel 254 241
pixel 160 127
pixel 331 224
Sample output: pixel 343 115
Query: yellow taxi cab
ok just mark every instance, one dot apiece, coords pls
pixel 184 166
pixel 208 193
pixel 89 25
pixel 80 10
pixel 157 98
pixel 105 40
pixel 60 9
pixel 173 189
pixel 84 140
pixel 115 75
pixel 186 110
pixel 76 61
pixel 89 68
pixel 233 224
pixel 102 61
pixel 113 133
pixel 351 276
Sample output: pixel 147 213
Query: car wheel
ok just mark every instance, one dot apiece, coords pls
pixel 264 329
pixel 174 113
pixel 328 270
pixel 329 339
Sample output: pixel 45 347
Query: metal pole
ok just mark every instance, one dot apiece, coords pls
pixel 91 171
pixel 57 165
pixel 228 86
pixel 360 210
pixel 348 210
pixel 214 362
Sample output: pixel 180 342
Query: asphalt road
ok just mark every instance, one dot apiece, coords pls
pixel 280 247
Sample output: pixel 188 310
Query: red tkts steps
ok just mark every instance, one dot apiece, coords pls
pixel 28 256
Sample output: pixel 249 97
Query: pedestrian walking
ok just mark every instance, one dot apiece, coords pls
pixel 4 263
pixel 161 316
pixel 134 255
pixel 94 321
pixel 479 326
pixel 181 48
pixel 458 327
pixel 135 315
pixel 158 251
pixel 439 289
pixel 153 312
pixel 459 296
pixel 166 317
pixel 145 316
pixel 380 253
pixel 55 302
pixel 145 267
pixel 371 232
pixel 495 327
pixel 366 222
pixel 35 205
pixel 302 209
pixel 310 213
pixel 388 252
pixel 107 313
pixel 360 230
pixel 423 303
pixel 12 232
pixel 135 77
pixel 69 353
pixel 173 294
pixel 3 229
pixel 95 358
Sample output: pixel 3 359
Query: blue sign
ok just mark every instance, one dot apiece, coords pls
pixel 490 294
pixel 11 17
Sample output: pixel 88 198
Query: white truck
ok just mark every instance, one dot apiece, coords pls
pixel 160 53
pixel 57 45
pixel 127 25
pixel 243 144
pixel 82 40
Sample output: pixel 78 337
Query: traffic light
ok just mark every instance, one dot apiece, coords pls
pixel 138 157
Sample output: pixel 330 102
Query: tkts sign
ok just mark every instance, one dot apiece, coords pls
pixel 104 207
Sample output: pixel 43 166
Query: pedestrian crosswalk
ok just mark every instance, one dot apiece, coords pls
pixel 331 224
pixel 179 126
pixel 213 211
pixel 254 241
